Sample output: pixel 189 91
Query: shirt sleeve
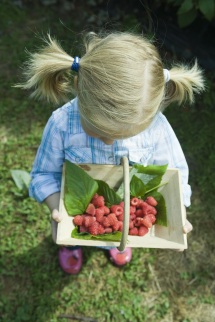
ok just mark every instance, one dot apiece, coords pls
pixel 47 168
pixel 167 150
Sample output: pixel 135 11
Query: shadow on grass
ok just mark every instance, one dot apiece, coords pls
pixel 34 281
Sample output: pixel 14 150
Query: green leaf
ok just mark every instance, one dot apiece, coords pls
pixel 21 178
pixel 186 6
pixel 137 187
pixel 116 236
pixel 187 18
pixel 111 197
pixel 161 217
pixel 158 170
pixel 150 176
pixel 79 189
pixel 207 7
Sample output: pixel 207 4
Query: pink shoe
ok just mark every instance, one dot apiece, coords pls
pixel 120 258
pixel 70 259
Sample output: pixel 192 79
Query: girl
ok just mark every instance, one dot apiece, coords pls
pixel 122 88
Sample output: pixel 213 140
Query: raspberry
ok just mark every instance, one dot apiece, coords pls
pixel 106 210
pixel 151 201
pixel 139 213
pixel 152 218
pixel 140 204
pixel 82 229
pixel 91 209
pixel 133 231
pixel 122 204
pixel 134 202
pixel 133 216
pixel 112 219
pixel 94 197
pixel 131 224
pixel 142 230
pixel 100 211
pixel 138 221
pixel 118 210
pixel 99 201
pixel 78 220
pixel 151 210
pixel 101 230
pixel 116 226
pixel 120 225
pixel 121 217
pixel 132 210
pixel 99 217
pixel 88 221
pixel 146 221
pixel 108 230
pixel 93 229
pixel 106 222
pixel 145 208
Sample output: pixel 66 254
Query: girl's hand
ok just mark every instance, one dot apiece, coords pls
pixel 56 218
pixel 187 227
pixel 52 202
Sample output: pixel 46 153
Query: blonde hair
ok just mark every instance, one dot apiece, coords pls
pixel 121 83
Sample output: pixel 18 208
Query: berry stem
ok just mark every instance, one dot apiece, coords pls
pixel 160 185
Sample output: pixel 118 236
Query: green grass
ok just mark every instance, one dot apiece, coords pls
pixel 158 285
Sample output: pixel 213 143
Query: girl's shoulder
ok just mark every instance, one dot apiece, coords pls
pixel 159 123
pixel 159 120
pixel 66 116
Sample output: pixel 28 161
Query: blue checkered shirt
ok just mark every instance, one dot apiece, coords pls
pixel 64 139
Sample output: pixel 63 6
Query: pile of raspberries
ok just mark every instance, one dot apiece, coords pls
pixel 98 219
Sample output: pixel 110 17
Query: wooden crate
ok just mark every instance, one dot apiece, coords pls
pixel 171 237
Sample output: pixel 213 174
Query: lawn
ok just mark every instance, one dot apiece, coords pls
pixel 158 285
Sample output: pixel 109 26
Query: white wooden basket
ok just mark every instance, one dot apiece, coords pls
pixel 171 237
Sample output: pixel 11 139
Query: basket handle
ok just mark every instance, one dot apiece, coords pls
pixel 126 182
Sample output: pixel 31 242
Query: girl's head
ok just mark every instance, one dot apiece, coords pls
pixel 120 84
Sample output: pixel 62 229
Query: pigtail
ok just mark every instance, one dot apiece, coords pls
pixel 184 83
pixel 47 73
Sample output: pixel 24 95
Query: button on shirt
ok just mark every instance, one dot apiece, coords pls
pixel 64 139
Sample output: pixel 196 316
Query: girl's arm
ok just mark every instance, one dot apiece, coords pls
pixel 53 201
pixel 53 204
pixel 167 150
pixel 47 168
pixel 47 171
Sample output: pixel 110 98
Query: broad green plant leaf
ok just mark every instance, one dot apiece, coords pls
pixel 137 187
pixel 157 170
pixel 21 178
pixel 150 176
pixel 207 7
pixel 187 18
pixel 111 197
pixel 186 6
pixel 79 189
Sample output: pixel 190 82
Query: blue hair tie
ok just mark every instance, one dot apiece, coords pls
pixel 75 64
